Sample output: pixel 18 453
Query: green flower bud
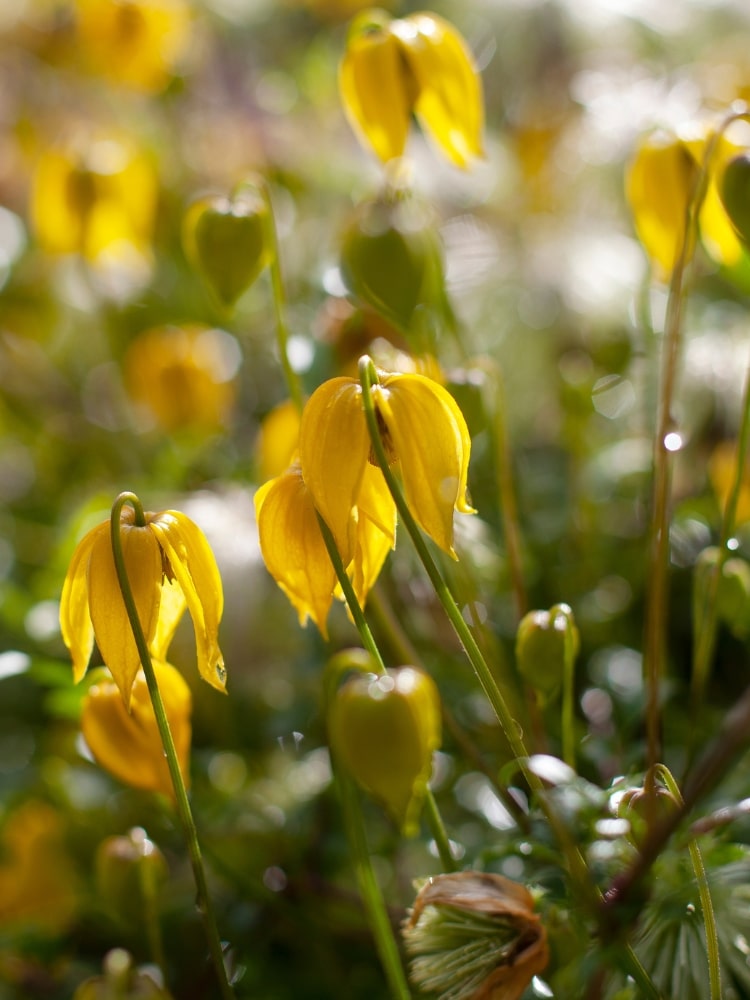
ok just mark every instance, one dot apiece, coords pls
pixel 383 729
pixel 733 593
pixel 547 643
pixel 130 871
pixel 122 982
pixel 734 190
pixel 644 809
pixel 227 241
pixel 391 258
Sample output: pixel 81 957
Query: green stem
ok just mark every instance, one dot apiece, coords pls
pixel 203 900
pixel 368 641
pixel 568 713
pixel 279 303
pixel 709 917
pixel 576 864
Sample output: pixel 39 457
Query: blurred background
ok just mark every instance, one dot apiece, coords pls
pixel 119 370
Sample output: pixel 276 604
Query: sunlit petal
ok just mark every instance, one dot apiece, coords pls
pixel 430 438
pixel 75 619
pixel 449 104
pixel 375 88
pixel 293 548
pixel 112 627
pixel 192 563
pixel 171 610
pixel 334 445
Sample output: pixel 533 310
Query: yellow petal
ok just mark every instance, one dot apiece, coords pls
pixel 293 548
pixel 375 87
pixel 192 563
pixel 376 532
pixel 430 438
pixel 75 619
pixel 658 185
pixel 333 446
pixel 127 743
pixel 112 628
pixel 449 104
pixel 171 610
pixel 276 443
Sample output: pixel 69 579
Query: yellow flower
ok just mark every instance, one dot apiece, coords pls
pixel 422 429
pixel 418 64
pixel 660 181
pixel 38 886
pixel 126 742
pixel 96 197
pixel 170 567
pixel 183 378
pixel 276 443
pixel 134 42
pixel 295 553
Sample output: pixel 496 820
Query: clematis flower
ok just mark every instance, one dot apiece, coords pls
pixel 126 742
pixel 170 567
pixel 418 64
pixel 659 184
pixel 295 553
pixel 423 430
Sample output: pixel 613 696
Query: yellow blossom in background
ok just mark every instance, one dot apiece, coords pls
pixel 660 181
pixel 126 742
pixel 97 197
pixel 423 430
pixel 722 472
pixel 38 886
pixel 276 443
pixel 420 65
pixel 295 553
pixel 170 567
pixel 137 43
pixel 183 378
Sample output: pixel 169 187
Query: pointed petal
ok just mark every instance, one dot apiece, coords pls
pixel 374 88
pixel 450 104
pixel 334 445
pixel 432 442
pixel 192 562
pixel 112 628
pixel 293 548
pixel 75 619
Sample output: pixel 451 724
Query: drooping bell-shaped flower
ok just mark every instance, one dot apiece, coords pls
pixel 422 429
pixel 295 553
pixel 414 65
pixel 170 567
pixel 126 742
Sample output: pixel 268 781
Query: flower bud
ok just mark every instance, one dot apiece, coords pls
pixel 384 729
pixel 547 643
pixel 122 982
pixel 391 258
pixel 129 873
pixel 645 808
pixel 474 934
pixel 227 241
pixel 732 595
pixel 734 190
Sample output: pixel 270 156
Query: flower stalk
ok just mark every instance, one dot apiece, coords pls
pixel 184 812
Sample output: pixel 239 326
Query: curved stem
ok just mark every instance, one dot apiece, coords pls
pixel 279 303
pixel 204 904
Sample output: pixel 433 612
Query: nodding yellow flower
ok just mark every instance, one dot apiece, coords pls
pixel 422 429
pixel 170 567
pixel 660 182
pixel 418 64
pixel 137 43
pixel 295 553
pixel 126 742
